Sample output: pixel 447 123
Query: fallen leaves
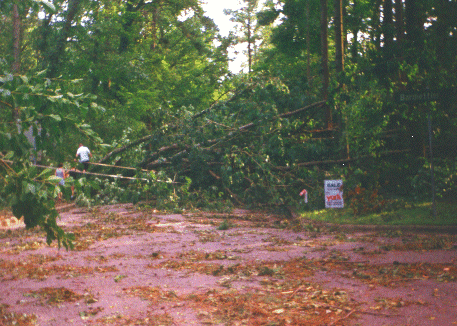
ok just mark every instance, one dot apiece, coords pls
pixel 311 306
pixel 11 318
pixel 390 274
pixel 153 294
pixel 39 267
pixel 243 283
pixel 56 296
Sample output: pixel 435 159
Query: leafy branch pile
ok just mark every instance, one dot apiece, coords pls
pixel 245 148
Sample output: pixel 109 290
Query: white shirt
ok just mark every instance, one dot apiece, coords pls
pixel 83 152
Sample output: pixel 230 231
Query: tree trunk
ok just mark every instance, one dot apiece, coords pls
pixel 16 40
pixel 399 25
pixel 400 33
pixel 388 28
pixel 128 20
pixel 441 33
pixel 324 62
pixel 339 39
pixel 308 48
pixel 354 48
pixel 59 50
pixel 249 31
pixel 413 27
pixel 376 33
pixel 16 67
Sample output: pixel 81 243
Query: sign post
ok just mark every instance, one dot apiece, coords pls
pixel 421 97
pixel 432 169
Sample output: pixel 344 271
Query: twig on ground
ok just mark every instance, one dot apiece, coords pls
pixel 364 312
pixel 343 318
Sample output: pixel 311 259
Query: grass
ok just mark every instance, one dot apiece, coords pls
pixel 410 214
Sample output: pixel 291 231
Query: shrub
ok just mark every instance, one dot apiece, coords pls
pixel 363 201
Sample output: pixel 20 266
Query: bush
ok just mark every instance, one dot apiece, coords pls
pixel 363 201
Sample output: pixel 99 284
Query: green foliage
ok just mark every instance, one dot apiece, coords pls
pixel 219 139
pixel 46 111
pixel 30 194
pixel 445 176
pixel 225 225
pixel 402 213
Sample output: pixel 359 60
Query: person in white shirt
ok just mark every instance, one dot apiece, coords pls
pixel 84 155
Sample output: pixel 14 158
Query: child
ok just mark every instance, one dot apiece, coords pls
pixel 60 172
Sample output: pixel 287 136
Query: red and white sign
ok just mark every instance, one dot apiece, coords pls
pixel 333 193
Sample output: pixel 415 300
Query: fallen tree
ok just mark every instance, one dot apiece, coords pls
pixel 253 150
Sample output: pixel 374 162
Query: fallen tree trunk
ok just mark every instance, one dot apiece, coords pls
pixel 146 138
pixel 240 129
pixel 231 134
pixel 124 148
pixel 346 160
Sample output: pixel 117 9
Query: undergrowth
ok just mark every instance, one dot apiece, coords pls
pixel 409 214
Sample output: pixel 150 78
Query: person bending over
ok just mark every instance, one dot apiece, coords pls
pixel 84 155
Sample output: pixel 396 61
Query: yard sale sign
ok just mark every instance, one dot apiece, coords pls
pixel 333 193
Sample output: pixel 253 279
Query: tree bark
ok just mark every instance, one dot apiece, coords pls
pixel 413 27
pixel 127 24
pixel 16 40
pixel 388 27
pixel 354 48
pixel 399 24
pixel 324 62
pixel 249 31
pixel 57 54
pixel 308 48
pixel 16 67
pixel 124 148
pixel 339 39
pixel 376 33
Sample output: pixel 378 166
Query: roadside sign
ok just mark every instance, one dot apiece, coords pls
pixel 426 95
pixel 333 193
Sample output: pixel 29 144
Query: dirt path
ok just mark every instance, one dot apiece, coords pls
pixel 139 267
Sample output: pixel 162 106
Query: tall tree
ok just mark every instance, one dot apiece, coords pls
pixel 339 35
pixel 324 61
pixel 245 17
pixel 414 25
pixel 16 39
pixel 57 51
pixel 388 25
pixel 399 21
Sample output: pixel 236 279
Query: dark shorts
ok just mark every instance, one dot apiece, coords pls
pixel 85 165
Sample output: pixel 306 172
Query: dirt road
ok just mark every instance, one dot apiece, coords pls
pixel 141 267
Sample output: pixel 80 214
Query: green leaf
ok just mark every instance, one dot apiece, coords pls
pixel 44 172
pixel 30 188
pixel 55 117
pixel 24 79
pixel 54 179
pixel 49 6
pixel 55 98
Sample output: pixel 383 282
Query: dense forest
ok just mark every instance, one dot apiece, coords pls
pixel 362 91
